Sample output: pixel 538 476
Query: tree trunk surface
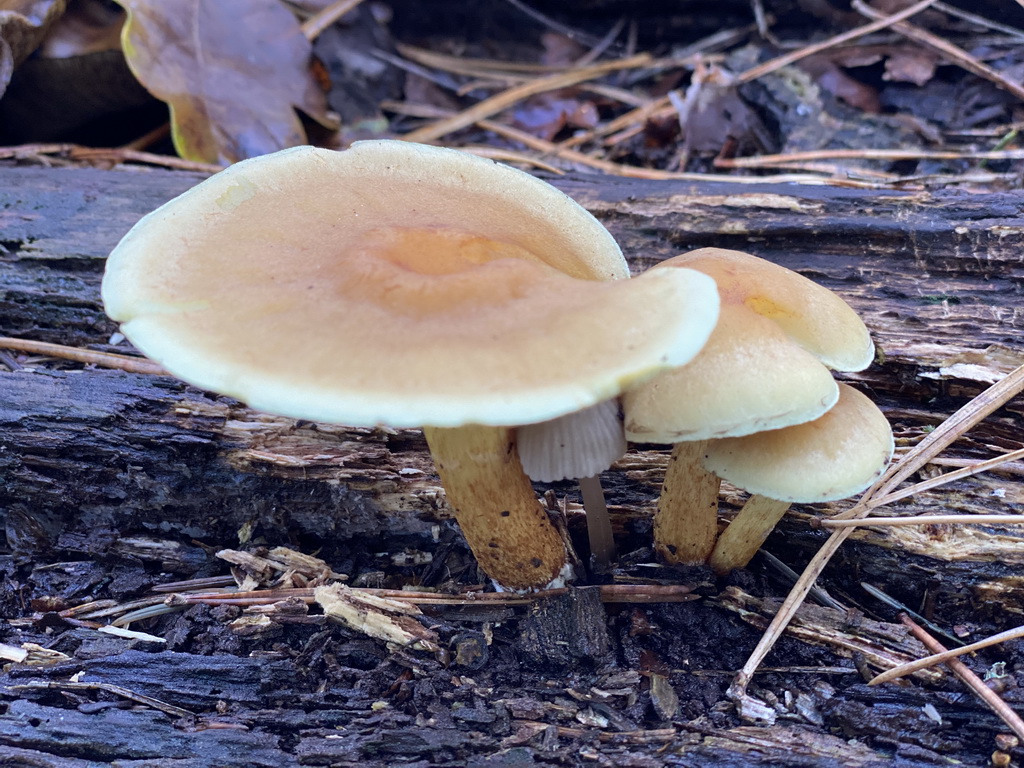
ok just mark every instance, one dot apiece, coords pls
pixel 110 480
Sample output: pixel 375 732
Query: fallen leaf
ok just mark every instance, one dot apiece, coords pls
pixel 88 26
pixel 910 65
pixel 712 111
pixel 663 696
pixel 547 114
pixel 835 80
pixel 231 71
pixel 23 25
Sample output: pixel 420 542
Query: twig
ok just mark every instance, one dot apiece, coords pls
pixel 971 680
pixel 945 478
pixel 864 154
pixel 790 58
pixel 825 169
pixel 617 169
pixel 149 138
pixel 117 690
pixel 89 356
pixel 314 26
pixel 151 607
pixel 502 101
pixel 980 21
pixel 1008 467
pixel 610 593
pixel 903 608
pixel 635 117
pixel 464 65
pixel 941 438
pixel 113 155
pixel 820 595
pixel 509 156
pixel 557 26
pixel 959 55
pixel 940 658
pixel 922 520
pixel 602 45
pixel 629 171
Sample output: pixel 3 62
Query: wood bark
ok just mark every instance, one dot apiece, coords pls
pixel 105 464
pixel 936 275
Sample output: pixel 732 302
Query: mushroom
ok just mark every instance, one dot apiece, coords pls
pixel 579 446
pixel 833 457
pixel 411 286
pixel 764 367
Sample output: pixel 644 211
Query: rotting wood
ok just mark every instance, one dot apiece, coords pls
pixel 105 465
pixel 937 277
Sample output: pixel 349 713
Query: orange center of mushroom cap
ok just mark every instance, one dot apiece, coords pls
pixel 422 271
pixel 436 251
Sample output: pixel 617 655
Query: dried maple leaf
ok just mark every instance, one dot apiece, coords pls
pixel 231 71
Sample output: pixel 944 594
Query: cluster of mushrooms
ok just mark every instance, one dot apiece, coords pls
pixel 432 288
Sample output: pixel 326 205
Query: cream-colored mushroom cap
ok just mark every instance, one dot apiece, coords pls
pixel 396 284
pixel 813 316
pixel 749 377
pixel 833 457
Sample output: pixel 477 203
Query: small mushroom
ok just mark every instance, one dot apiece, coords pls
pixel 406 285
pixel 579 446
pixel 833 457
pixel 764 367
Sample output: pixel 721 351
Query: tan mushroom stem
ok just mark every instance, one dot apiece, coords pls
pixel 494 503
pixel 746 533
pixel 686 521
pixel 599 522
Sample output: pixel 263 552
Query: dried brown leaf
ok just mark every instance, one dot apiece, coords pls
pixel 23 25
pixel 834 80
pixel 231 71
pixel 910 65
pixel 88 26
pixel 663 696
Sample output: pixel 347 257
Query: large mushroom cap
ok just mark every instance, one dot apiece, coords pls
pixel 813 316
pixel 830 458
pixel 396 284
pixel 749 377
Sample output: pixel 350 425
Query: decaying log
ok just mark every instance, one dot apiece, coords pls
pixel 937 277
pixel 100 466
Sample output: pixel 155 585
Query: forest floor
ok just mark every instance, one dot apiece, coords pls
pixel 416 660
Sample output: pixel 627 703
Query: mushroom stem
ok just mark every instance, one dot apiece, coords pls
pixel 599 524
pixel 747 532
pixel 686 522
pixel 504 524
